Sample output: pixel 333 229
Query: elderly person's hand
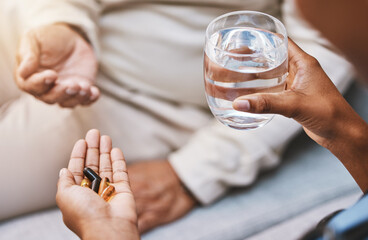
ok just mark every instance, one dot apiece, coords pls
pixel 84 211
pixel 313 100
pixel 57 65
pixel 159 194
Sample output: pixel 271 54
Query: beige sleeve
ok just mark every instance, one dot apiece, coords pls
pixel 83 14
pixel 217 158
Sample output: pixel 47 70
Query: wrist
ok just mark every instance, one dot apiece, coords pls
pixel 350 134
pixel 109 229
pixel 187 192
pixel 351 147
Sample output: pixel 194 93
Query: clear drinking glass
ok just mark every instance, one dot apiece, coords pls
pixel 245 52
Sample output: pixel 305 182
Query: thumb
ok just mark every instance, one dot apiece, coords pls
pixel 28 56
pixel 285 103
pixel 66 179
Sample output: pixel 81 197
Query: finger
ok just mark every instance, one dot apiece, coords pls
pixel 77 158
pixel 105 160
pixel 56 94
pixel 95 94
pixel 72 89
pixel 82 100
pixel 92 96
pixel 285 103
pixel 38 83
pixel 294 50
pixel 28 55
pixel 85 93
pixel 119 168
pixel 63 91
pixel 66 179
pixel 93 152
pixel 296 57
pixel 70 103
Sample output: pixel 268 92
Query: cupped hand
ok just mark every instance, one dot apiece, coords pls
pixel 84 211
pixel 159 194
pixel 57 65
pixel 311 99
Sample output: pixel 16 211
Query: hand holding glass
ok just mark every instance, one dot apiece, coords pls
pixel 245 53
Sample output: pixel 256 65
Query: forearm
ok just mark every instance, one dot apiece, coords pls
pixel 350 146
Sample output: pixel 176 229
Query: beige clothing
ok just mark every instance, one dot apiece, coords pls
pixel 153 104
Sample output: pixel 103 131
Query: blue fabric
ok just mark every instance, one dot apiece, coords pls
pixel 351 223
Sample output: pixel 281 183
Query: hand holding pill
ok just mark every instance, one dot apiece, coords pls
pixel 94 192
pixel 101 186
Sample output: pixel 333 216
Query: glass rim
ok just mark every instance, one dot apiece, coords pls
pixel 207 38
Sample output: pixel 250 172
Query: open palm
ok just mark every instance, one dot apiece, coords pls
pixel 57 65
pixel 82 206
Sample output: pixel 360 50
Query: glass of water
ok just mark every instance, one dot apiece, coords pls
pixel 245 52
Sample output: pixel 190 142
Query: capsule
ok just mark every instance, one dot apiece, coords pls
pixel 86 183
pixel 96 185
pixel 108 193
pixel 104 184
pixel 90 174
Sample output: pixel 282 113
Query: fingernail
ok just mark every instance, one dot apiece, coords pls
pixel 70 91
pixel 82 93
pixel 242 105
pixel 62 172
pixel 48 81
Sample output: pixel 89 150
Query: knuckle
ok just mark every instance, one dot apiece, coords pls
pixel 20 83
pixel 263 105
pixel 106 169
pixel 312 62
pixel 120 171
pixel 295 106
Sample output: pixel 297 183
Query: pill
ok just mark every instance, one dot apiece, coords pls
pixel 86 183
pixel 90 174
pixel 96 184
pixel 108 193
pixel 104 184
